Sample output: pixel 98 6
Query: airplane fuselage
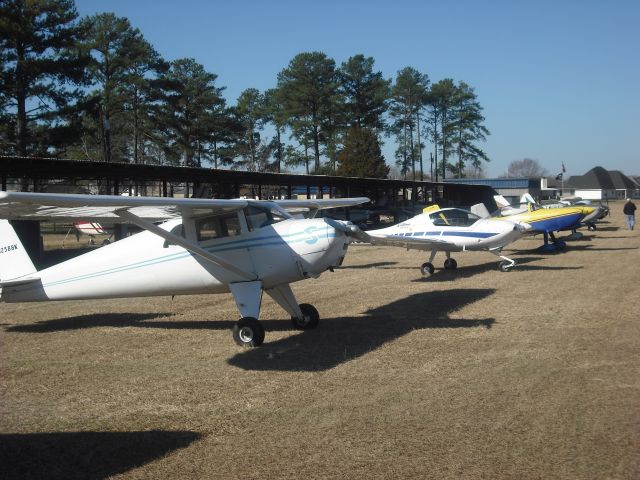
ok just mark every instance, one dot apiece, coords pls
pixel 482 235
pixel 147 265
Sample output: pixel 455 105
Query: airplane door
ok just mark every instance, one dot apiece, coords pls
pixel 225 236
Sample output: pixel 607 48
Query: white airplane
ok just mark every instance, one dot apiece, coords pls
pixel 245 247
pixel 449 230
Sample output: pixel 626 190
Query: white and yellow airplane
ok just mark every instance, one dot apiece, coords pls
pixel 449 230
pixel 245 247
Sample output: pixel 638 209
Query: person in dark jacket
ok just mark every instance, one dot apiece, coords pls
pixel 629 210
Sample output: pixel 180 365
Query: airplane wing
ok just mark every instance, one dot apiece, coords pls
pixel 97 208
pixel 414 243
pixel 298 206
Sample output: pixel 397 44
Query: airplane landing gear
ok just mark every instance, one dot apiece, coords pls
pixel 309 320
pixel 427 269
pixel 248 332
pixel 450 264
pixel 507 264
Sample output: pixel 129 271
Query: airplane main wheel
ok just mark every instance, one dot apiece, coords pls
pixel 427 269
pixel 450 264
pixel 106 241
pixel 310 317
pixel 505 266
pixel 248 332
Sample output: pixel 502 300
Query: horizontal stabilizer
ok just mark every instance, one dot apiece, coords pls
pixel 19 281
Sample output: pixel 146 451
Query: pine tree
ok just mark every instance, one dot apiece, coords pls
pixel 38 65
pixel 361 155
pixel 309 90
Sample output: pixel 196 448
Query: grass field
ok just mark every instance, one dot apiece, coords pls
pixel 472 374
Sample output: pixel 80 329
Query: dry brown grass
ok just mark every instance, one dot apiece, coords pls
pixel 473 374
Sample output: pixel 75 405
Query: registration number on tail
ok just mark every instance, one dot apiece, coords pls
pixel 8 248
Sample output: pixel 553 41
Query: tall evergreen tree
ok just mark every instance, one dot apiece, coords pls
pixel 361 155
pixel 38 66
pixel 188 96
pixel 309 89
pixel 250 108
pixel 366 92
pixel 441 99
pixel 275 114
pixel 120 61
pixel 408 96
pixel 467 129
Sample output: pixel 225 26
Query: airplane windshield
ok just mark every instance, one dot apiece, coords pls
pixel 259 216
pixel 454 218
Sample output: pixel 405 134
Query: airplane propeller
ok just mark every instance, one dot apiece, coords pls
pixel 348 228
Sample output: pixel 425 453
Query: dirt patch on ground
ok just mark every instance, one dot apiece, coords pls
pixel 473 374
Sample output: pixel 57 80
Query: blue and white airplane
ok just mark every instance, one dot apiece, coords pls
pixel 449 230
pixel 244 247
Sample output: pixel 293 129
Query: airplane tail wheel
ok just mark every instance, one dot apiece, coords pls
pixel 248 332
pixel 427 269
pixel 592 227
pixel 505 266
pixel 310 317
pixel 450 264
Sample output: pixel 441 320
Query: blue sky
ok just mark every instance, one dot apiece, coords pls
pixel 559 80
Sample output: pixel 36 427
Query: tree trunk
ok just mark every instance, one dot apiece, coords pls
pixel 419 145
pixel 21 99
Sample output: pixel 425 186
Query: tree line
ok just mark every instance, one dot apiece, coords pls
pixel 93 88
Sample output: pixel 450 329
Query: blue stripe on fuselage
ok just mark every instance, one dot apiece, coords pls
pixel 446 233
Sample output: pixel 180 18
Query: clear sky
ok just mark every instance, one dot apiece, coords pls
pixel 559 80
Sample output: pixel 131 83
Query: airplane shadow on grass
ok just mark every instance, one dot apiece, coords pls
pixel 591 248
pixel 522 264
pixel 82 455
pixel 336 340
pixel 341 339
pixel 368 265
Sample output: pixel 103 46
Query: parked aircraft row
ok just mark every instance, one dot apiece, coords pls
pixel 245 247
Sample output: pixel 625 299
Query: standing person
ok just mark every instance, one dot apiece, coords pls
pixel 629 210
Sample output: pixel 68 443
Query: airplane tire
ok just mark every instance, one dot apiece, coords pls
pixel 505 266
pixel 450 264
pixel 427 269
pixel 591 227
pixel 248 332
pixel 310 320
pixel 106 241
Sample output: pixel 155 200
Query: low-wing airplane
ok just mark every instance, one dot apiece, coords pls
pixel 245 247
pixel 547 221
pixel 449 230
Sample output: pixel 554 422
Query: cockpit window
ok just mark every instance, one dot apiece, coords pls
pixel 259 216
pixel 454 218
pixel 210 228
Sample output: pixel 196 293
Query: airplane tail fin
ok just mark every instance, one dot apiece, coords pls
pixel 480 209
pixel 14 260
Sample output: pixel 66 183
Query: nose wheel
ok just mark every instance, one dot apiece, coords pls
pixel 248 332
pixel 427 269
